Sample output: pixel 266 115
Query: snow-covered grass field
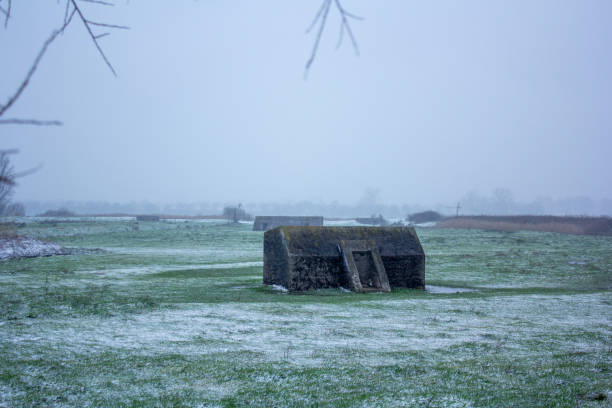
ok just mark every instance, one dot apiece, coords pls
pixel 174 314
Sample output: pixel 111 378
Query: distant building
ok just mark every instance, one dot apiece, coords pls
pixel 264 223
pixel 373 220
pixel 147 218
pixel 361 259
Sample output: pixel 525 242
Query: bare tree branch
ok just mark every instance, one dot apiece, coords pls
pixel 28 171
pixel 71 10
pixel 33 68
pixel 104 3
pixel 107 25
pixel 66 12
pixel 88 25
pixel 34 122
pixel 317 16
pixel 321 18
pixel 340 36
pixel 8 13
pixel 346 25
pixel 322 15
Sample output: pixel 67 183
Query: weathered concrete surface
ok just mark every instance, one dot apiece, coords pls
pixel 380 221
pixel 306 258
pixel 147 218
pixel 362 263
pixel 265 223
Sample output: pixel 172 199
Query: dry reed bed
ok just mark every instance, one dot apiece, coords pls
pixel 563 225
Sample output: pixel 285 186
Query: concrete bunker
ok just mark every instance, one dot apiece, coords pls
pixel 147 218
pixel 265 223
pixel 362 259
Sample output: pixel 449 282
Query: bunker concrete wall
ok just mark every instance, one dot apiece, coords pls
pixel 265 222
pixel 310 258
pixel 276 260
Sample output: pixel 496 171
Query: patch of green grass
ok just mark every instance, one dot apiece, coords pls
pixel 168 314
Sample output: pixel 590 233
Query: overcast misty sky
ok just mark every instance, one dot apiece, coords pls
pixel 210 103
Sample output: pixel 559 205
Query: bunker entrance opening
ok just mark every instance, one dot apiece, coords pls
pixel 366 269
pixel 363 266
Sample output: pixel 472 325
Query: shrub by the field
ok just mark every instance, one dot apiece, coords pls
pixel 548 223
pixel 61 212
pixel 424 216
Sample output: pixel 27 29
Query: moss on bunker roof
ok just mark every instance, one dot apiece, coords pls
pixel 323 241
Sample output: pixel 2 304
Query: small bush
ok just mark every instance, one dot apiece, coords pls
pixel 425 216
pixel 61 212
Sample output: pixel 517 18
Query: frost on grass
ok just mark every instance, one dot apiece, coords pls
pixel 23 247
pixel 291 346
pixel 446 289
pixel 371 333
pixel 140 270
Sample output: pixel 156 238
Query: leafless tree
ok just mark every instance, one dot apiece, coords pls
pixel 7 179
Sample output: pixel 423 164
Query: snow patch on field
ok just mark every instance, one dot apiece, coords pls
pixel 23 247
pixel 341 223
pixel 372 332
pixel 139 270
pixel 446 289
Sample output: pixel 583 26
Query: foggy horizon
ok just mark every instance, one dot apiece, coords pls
pixel 499 202
pixel 210 104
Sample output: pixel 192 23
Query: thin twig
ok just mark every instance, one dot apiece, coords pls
pixel 340 36
pixel 104 3
pixel 314 21
pixel 344 14
pixel 107 25
pixel 66 12
pixel 88 25
pixel 28 171
pixel 34 122
pixel 68 16
pixel 321 18
pixel 26 81
pixel 7 13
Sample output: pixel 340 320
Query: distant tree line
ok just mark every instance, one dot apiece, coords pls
pixel 471 204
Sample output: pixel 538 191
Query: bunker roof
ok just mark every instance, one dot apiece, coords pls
pixel 323 241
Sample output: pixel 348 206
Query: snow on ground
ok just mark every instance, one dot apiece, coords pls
pixel 376 332
pixel 426 224
pixel 74 219
pixel 341 223
pixel 354 223
pixel 144 270
pixel 446 289
pixel 23 247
